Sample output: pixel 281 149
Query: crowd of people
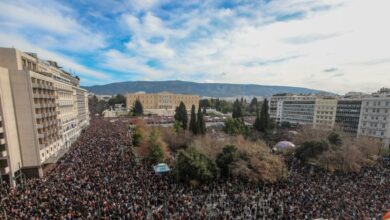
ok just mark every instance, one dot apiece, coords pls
pixel 99 178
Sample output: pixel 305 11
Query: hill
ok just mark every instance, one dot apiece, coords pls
pixel 201 89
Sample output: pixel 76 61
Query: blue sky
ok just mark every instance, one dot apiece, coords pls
pixel 334 45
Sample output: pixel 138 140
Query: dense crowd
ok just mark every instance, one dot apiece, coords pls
pixel 100 178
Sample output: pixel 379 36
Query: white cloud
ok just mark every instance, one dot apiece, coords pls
pixel 330 34
pixel 7 40
pixel 48 19
pixel 251 43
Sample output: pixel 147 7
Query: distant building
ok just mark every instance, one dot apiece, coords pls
pixel 103 97
pixel 375 116
pixel 117 111
pixel 348 114
pixel 43 110
pixel 325 113
pixel 297 111
pixel 163 103
pixel 276 104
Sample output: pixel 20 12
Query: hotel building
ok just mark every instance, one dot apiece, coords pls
pixel 163 103
pixel 43 108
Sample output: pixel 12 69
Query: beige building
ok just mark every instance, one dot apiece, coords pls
pixel 325 113
pixel 48 107
pixel 163 103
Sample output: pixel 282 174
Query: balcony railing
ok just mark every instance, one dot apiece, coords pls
pixel 4 170
pixel 3 154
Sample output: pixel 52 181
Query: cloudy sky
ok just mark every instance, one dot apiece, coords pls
pixel 333 45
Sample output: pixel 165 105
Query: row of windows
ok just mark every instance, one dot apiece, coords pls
pixel 378 103
pixel 377 110
pixel 376 117
pixel 373 132
pixel 375 125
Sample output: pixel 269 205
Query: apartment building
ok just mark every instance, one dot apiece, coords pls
pixel 325 113
pixel 375 116
pixel 45 105
pixel 163 103
pixel 348 114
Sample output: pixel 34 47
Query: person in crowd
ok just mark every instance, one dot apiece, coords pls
pixel 99 178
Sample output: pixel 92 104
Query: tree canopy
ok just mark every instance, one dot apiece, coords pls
pixel 234 126
pixel 138 108
pixel 193 165
pixel 118 99
pixel 181 115
pixel 263 120
pixel 226 159
pixel 193 125
pixel 201 125
pixel 237 109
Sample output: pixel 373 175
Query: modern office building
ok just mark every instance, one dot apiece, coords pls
pixel 375 116
pixel 348 114
pixel 298 112
pixel 163 103
pixel 325 113
pixel 49 109
pixel 277 101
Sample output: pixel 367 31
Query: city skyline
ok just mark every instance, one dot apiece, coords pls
pixel 326 45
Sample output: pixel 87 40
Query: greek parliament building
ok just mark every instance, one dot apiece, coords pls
pixel 163 103
pixel 42 112
pixel 355 113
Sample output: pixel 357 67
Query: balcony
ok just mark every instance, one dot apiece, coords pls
pixel 42 86
pixel 4 170
pixel 3 154
pixel 1 118
pixel 1 130
pixel 2 141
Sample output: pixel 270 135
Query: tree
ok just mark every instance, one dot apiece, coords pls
pixel 181 115
pixel 193 124
pixel 253 106
pixel 226 159
pixel 311 150
pixel 264 123
pixel 137 136
pixel 96 106
pixel 335 139
pixel 201 126
pixel 257 125
pixel 156 153
pixel 118 99
pixel 138 108
pixel 234 126
pixel 193 165
pixel 237 110
pixel 177 127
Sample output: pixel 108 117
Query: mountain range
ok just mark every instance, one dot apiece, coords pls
pixel 201 89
